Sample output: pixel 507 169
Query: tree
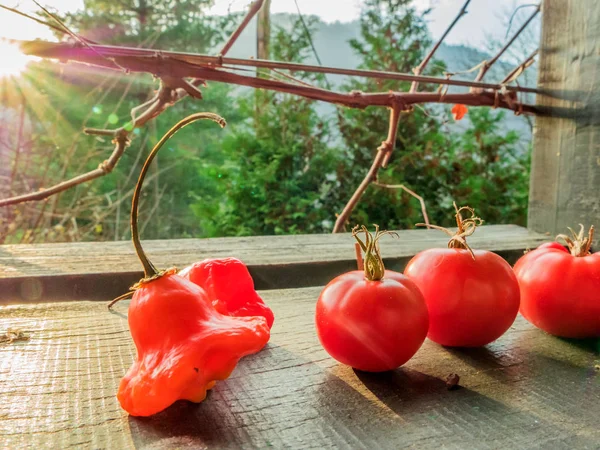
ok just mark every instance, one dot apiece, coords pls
pixel 64 99
pixel 394 37
pixel 276 167
pixel 167 24
pixel 481 167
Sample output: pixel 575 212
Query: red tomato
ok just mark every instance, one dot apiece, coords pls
pixel 560 292
pixel 373 326
pixel 472 301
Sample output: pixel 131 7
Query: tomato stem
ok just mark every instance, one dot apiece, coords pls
pixel 373 262
pixel 150 270
pixel 465 227
pixel 579 245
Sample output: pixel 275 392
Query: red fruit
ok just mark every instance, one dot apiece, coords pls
pixel 229 286
pixel 472 296
pixel 374 320
pixel 560 289
pixel 472 301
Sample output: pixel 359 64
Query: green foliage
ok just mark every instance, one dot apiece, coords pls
pixel 64 99
pixel 165 24
pixel 488 170
pixel 280 166
pixel 273 176
pixel 481 167
pixel 395 41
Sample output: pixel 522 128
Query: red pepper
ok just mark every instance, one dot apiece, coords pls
pixel 186 338
pixel 229 285
pixel 184 345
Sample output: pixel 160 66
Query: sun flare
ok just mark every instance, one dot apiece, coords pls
pixel 12 60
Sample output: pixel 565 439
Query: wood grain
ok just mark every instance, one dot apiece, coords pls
pixel 565 170
pixel 526 390
pixel 103 270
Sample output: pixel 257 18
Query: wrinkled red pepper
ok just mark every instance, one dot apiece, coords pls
pixel 187 338
pixel 184 345
pixel 229 285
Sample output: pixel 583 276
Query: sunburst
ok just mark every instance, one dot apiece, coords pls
pixel 12 61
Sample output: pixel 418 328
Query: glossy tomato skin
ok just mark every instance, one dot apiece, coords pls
pixel 373 326
pixel 471 302
pixel 560 293
pixel 554 245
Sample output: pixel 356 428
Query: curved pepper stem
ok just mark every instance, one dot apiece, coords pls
pixel 150 270
pixel 465 227
pixel 373 262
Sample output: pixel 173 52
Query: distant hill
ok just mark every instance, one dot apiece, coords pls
pixel 332 44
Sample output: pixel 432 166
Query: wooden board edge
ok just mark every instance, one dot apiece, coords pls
pixel 108 285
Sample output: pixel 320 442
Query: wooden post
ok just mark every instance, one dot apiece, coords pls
pixel 263 31
pixel 565 172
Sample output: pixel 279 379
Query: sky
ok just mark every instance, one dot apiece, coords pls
pixel 483 19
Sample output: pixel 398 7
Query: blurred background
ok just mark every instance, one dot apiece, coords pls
pixel 284 164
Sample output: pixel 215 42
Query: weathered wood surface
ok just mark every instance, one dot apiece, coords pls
pixel 526 390
pixel 565 170
pixel 102 270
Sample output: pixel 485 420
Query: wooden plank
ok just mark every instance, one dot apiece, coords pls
pixel 103 270
pixel 565 172
pixel 526 390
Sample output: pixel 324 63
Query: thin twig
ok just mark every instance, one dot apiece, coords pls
pixel 103 169
pixel 512 16
pixel 109 209
pixel 488 64
pixel 254 8
pixel 289 77
pixel 421 67
pixel 410 192
pixel 386 147
pixel 70 33
pixel 359 258
pixel 517 71
pixel 35 19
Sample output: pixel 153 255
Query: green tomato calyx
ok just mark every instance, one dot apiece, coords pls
pixel 372 262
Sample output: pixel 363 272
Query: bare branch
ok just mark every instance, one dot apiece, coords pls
pixel 410 192
pixel 421 67
pixel 517 71
pixel 254 8
pixel 171 90
pixel 188 65
pixel 137 60
pixel 386 147
pixel 488 64
pixel 104 168
pixel 174 67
